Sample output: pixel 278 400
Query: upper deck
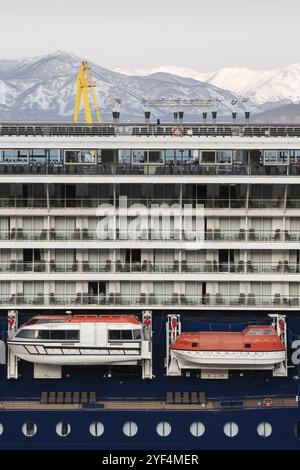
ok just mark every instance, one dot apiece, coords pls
pixel 136 151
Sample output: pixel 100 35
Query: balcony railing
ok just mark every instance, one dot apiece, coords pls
pixel 159 169
pixel 143 299
pixel 210 235
pixel 212 203
pixel 150 129
pixel 146 267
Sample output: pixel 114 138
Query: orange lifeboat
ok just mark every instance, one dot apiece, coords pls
pixel 257 347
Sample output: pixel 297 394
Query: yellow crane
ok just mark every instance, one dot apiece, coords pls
pixel 83 85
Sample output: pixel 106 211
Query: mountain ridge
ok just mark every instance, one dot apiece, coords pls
pixel 261 86
pixel 43 88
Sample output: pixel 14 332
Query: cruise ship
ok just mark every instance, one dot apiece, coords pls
pixel 149 285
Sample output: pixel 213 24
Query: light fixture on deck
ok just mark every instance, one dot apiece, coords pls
pixel 116 117
pixel 116 110
pixel 179 103
pixel 147 115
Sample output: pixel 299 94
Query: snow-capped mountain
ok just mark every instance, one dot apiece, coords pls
pixel 43 88
pixel 261 86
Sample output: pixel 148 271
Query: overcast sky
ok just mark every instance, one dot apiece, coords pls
pixel 201 34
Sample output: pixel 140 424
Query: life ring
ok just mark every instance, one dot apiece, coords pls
pixel 267 402
pixel 177 131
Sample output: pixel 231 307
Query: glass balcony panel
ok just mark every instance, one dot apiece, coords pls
pixel 216 300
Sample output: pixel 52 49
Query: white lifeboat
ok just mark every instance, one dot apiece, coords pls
pixel 81 340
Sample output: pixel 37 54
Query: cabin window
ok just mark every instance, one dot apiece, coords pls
pixel 72 334
pixel 26 334
pixel 48 334
pixel 80 156
pixel 137 334
pixel 43 334
pixel 261 332
pixel 247 345
pixel 58 334
pixel 276 157
pixel 126 334
pixel 114 335
pixel 194 345
pixel 117 335
pixel 64 334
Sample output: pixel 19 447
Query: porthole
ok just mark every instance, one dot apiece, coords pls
pixel 163 429
pixel 96 429
pixel 29 429
pixel 1 429
pixel 130 429
pixel 197 429
pixel 231 429
pixel 63 429
pixel 264 429
pixel 297 429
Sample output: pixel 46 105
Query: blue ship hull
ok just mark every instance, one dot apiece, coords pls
pixel 128 386
pixel 283 424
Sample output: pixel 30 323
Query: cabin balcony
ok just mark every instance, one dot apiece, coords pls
pixel 193 169
pixel 18 235
pixel 147 267
pixel 211 203
pixel 143 300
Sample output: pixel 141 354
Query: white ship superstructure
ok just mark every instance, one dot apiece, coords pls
pixel 58 253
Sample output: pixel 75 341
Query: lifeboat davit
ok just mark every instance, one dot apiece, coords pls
pixel 257 347
pixel 80 340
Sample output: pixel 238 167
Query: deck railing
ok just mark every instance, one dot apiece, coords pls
pixel 196 129
pixel 211 203
pixel 159 169
pixel 148 267
pixel 216 300
pixel 210 235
